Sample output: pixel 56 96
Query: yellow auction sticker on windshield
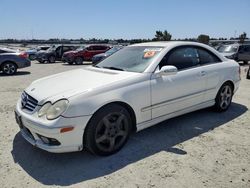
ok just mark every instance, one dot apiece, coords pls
pixel 149 54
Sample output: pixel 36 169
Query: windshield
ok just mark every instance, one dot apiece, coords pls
pixel 132 59
pixel 228 49
pixel 52 48
pixel 113 50
pixel 80 48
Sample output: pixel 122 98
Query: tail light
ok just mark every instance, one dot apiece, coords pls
pixel 23 55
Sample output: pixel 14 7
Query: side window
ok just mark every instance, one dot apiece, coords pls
pixel 206 57
pixel 66 48
pixel 1 51
pixel 90 48
pixel 102 47
pixel 182 58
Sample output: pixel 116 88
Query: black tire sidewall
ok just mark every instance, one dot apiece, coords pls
pixel 49 59
pixel 80 60
pixel 248 73
pixel 89 133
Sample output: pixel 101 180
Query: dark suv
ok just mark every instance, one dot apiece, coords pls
pixel 54 53
pixel 84 53
pixel 238 52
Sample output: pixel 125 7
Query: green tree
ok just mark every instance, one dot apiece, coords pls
pixel 203 39
pixel 162 36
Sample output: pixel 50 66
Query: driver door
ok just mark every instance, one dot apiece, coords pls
pixel 180 91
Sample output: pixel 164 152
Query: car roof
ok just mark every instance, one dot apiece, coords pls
pixel 8 50
pixel 168 43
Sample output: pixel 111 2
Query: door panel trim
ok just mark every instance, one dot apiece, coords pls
pixel 178 99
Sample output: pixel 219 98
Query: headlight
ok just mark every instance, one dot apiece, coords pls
pixel 44 109
pixel 53 111
pixel 57 109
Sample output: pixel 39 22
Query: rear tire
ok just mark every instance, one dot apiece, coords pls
pixel 9 68
pixel 108 130
pixel 224 97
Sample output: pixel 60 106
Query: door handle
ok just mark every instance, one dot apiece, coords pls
pixel 203 73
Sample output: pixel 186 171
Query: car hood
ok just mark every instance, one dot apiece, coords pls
pixel 31 51
pixel 101 55
pixel 70 83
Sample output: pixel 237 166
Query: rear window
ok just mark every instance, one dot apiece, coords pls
pixel 206 57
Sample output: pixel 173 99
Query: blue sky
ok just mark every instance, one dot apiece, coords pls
pixel 128 19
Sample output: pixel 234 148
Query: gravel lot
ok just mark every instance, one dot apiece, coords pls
pixel 200 149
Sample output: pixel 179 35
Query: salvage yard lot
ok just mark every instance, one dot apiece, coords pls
pixel 203 148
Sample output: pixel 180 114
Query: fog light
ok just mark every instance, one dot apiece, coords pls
pixel 45 140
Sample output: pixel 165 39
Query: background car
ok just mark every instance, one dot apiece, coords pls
pixel 99 57
pixel 54 53
pixel 11 60
pixel 238 52
pixel 98 107
pixel 84 53
pixel 33 52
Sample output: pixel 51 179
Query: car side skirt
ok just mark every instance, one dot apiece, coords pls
pixel 146 124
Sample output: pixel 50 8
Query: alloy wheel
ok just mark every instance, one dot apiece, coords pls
pixel 225 96
pixel 9 68
pixel 112 132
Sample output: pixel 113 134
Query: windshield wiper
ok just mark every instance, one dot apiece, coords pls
pixel 113 68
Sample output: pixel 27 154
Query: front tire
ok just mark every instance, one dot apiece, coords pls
pixel 108 130
pixel 52 59
pixel 9 68
pixel 79 61
pixel 224 97
pixel 248 73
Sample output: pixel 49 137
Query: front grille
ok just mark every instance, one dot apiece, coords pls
pixel 28 102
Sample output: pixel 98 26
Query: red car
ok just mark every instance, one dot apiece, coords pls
pixel 84 53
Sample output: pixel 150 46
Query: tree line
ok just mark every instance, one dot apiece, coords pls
pixel 159 36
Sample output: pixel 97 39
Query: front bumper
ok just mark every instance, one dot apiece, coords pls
pixel 33 129
pixel 41 58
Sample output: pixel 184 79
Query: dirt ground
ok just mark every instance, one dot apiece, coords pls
pixel 200 149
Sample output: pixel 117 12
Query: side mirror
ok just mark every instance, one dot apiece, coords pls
pixel 167 70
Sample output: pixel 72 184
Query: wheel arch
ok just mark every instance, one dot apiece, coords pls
pixel 126 106
pixel 230 82
pixel 8 61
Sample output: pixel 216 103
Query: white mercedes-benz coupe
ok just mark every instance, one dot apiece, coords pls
pixel 98 107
